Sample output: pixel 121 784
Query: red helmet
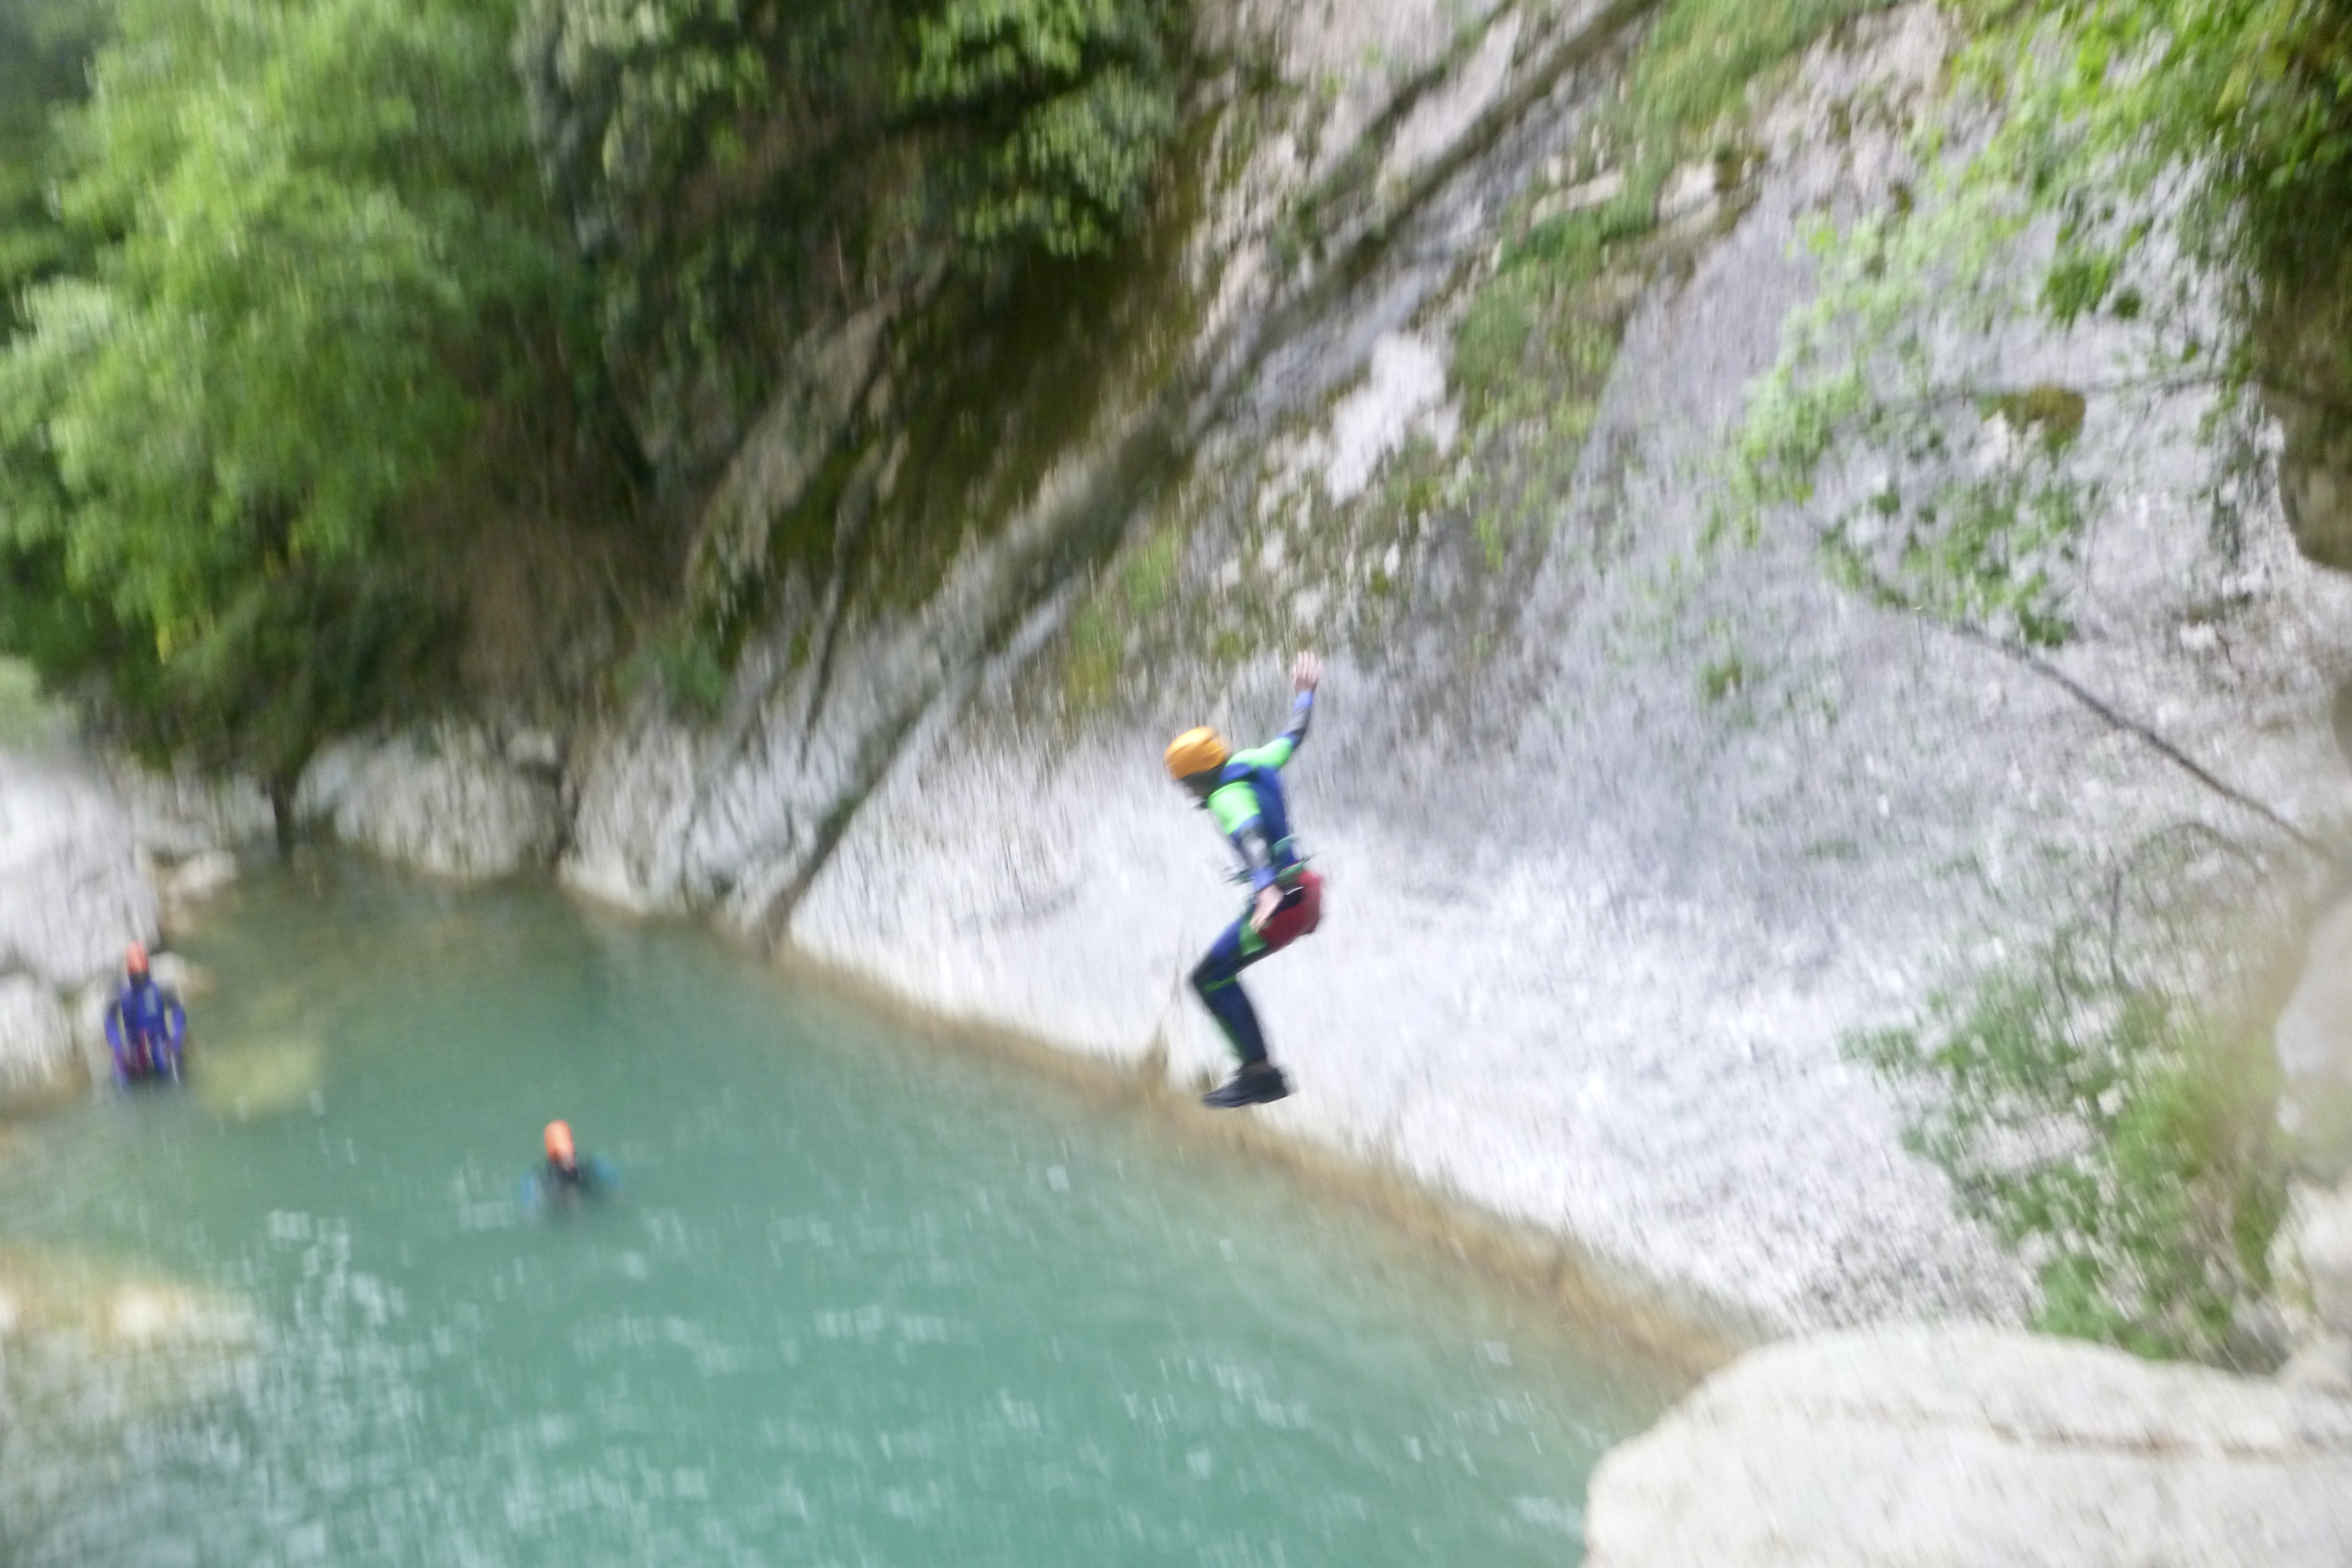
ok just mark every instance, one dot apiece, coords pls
pixel 134 958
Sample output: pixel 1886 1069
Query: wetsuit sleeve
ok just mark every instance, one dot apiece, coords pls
pixel 1237 810
pixel 1285 746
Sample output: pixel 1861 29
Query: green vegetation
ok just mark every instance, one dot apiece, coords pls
pixel 1534 349
pixel 2120 1140
pixel 684 669
pixel 309 297
pixel 26 720
pixel 1078 98
pixel 2193 161
pixel 315 255
pixel 1721 680
pixel 1139 585
pixel 2194 158
pixel 739 170
pixel 44 49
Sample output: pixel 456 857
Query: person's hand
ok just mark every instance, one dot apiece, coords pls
pixel 1269 899
pixel 1305 673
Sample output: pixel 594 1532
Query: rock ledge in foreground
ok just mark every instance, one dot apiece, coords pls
pixel 1945 1447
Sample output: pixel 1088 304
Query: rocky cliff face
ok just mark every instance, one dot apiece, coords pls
pixel 1625 828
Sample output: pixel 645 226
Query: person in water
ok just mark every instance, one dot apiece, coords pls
pixel 567 1172
pixel 145 1022
pixel 1243 790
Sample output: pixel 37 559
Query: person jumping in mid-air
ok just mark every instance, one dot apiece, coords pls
pixel 1243 790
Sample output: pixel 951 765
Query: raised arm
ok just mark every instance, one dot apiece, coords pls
pixel 1305 675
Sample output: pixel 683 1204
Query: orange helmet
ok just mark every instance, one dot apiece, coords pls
pixel 1196 752
pixel 559 1141
pixel 134 958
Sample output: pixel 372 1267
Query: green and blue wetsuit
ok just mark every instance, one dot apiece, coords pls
pixel 1249 805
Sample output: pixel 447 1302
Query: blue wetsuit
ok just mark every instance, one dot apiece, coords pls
pixel 146 1026
pixel 1248 803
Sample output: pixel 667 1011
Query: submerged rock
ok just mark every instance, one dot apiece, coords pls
pixel 447 800
pixel 88 1347
pixel 261 1080
pixel 1956 1448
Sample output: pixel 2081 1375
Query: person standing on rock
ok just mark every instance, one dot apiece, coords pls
pixel 1243 790
pixel 145 1024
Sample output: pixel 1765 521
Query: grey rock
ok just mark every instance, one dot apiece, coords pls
pixel 824 381
pixel 71 890
pixel 1964 1448
pixel 198 877
pixel 35 1040
pixel 186 812
pixel 535 749
pixel 2325 1365
pixel 2298 334
pixel 183 977
pixel 444 799
pixel 2320 1238
pixel 2315 479
pixel 86 1017
pixel 2313 1039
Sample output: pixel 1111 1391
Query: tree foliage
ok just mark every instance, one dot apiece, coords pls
pixel 45 48
pixel 317 250
pixel 295 263
pixel 739 169
pixel 1070 103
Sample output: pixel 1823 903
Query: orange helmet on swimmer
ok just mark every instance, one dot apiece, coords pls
pixel 559 1141
pixel 1196 752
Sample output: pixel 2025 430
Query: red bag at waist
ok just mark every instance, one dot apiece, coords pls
pixel 1301 912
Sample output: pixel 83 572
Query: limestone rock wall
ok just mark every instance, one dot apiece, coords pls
pixel 75 889
pixel 71 889
pixel 1594 935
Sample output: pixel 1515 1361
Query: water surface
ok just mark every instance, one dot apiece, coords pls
pixel 863 1299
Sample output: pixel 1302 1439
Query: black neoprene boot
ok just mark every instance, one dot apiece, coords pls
pixel 1260 1083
